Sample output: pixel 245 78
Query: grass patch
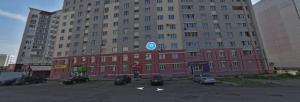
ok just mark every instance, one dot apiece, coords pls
pixel 240 81
pixel 275 77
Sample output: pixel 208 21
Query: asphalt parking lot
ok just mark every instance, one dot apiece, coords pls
pixel 174 91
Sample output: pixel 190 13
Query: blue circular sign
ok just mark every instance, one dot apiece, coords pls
pixel 151 46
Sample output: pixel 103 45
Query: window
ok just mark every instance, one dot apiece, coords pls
pixel 103 59
pixel 161 46
pixel 213 8
pixel 173 36
pixel 221 53
pixel 162 56
pixel 201 8
pixel 125 68
pixel 102 69
pixel 147 28
pixel 171 17
pixel 174 46
pixel 159 8
pixel 172 26
pixel 60 46
pixel 237 7
pixel 162 66
pixel 93 59
pixel 223 64
pixel 148 67
pixel 148 56
pixel 160 27
pixel 161 36
pixel 175 66
pixel 209 54
pixel 114 58
pixel 114 49
pixel 58 54
pixel 174 56
pixel 125 57
pixel 235 64
pixel 74 60
pixel 147 18
pixel 188 16
pixel 170 8
pixel 189 25
pixel 125 48
pixel 211 65
pixel 247 52
pixel 205 26
pixel 220 44
pixel 233 53
pixel 113 68
pixel 147 9
pixel 190 34
pixel 136 56
pixel 187 7
pixel 170 1
pixel 224 7
pixel 160 17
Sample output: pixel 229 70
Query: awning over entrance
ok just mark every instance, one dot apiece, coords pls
pixel 40 68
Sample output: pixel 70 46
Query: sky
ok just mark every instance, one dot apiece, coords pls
pixel 13 15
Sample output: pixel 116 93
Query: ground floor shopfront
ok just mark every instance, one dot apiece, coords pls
pixel 170 63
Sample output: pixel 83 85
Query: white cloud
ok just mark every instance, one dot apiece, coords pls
pixel 13 15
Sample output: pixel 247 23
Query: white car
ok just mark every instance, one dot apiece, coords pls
pixel 204 79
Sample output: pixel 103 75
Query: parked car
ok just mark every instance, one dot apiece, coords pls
pixel 81 79
pixel 127 78
pixel 157 80
pixel 197 78
pixel 10 78
pixel 74 80
pixel 204 79
pixel 120 80
pixel 68 81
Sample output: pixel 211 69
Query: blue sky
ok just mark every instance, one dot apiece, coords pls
pixel 13 15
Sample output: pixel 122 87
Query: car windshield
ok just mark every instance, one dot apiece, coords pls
pixel 156 77
pixel 119 77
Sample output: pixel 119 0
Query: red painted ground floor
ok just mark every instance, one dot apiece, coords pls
pixel 170 63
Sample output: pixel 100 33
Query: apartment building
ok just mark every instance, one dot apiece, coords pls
pixel 279 23
pixel 108 37
pixel 38 38
pixel 5 60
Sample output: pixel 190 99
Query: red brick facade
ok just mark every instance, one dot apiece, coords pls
pixel 170 63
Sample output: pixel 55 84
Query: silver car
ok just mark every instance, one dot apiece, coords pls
pixel 204 79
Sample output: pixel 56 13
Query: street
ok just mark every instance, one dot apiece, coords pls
pixel 174 91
